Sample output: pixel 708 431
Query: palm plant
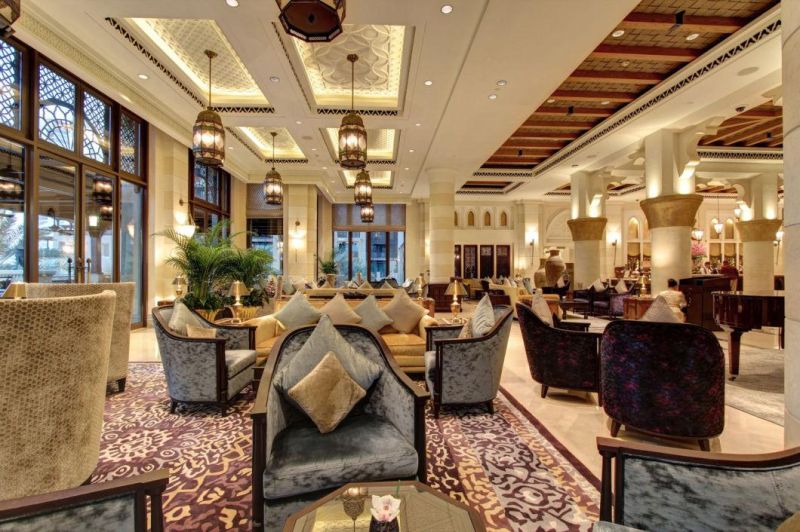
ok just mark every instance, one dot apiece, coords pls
pixel 328 265
pixel 251 266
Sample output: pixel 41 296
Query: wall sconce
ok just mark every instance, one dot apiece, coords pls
pixel 532 244
pixel 187 228
pixel 297 235
pixel 737 213
pixel 779 235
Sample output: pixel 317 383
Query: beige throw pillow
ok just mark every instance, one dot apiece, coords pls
pixel 372 316
pixel 365 286
pixel 297 312
pixel 542 309
pixel 598 286
pixel 181 317
pixel 621 287
pixel 339 311
pixel 483 318
pixel 193 331
pixel 660 311
pixel 327 393
pixel 404 313
pixel 466 330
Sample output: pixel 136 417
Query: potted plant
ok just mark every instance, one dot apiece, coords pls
pixel 329 268
pixel 251 267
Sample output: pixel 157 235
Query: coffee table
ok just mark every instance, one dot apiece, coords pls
pixel 421 510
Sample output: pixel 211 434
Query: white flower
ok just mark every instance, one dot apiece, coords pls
pixel 385 509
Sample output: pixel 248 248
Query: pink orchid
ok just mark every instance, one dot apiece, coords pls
pixel 385 509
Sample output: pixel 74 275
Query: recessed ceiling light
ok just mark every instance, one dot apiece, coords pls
pixel 324 167
pixel 298 122
pixel 417 124
pixel 551 100
pixel 501 83
pixel 428 83
pixel 411 150
pixel 274 79
pixel 313 149
pixel 692 36
pixel 605 102
pixel 447 9
pixel 618 33
pixel 406 168
pixel 493 96
pixel 626 63
pixel 143 76
pixel 232 3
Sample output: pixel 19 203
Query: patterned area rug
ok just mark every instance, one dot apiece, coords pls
pixel 506 466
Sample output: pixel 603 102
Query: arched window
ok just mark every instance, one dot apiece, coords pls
pixel 633 229
pixel 487 219
pixel 455 219
pixel 471 219
pixel 729 229
pixel 503 219
pixel 711 232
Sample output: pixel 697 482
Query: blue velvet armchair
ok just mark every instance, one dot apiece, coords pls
pixel 383 438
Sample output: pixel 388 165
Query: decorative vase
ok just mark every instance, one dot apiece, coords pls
pixel 330 280
pixel 554 267
pixel 248 313
pixel 384 526
pixel 539 278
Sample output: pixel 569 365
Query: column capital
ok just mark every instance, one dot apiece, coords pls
pixel 758 230
pixel 674 210
pixel 587 228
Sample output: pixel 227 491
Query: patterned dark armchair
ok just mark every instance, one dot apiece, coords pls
pixel 561 291
pixel 120 505
pixel 566 356
pixel 382 439
pixel 204 370
pixel 667 489
pixel 467 370
pixel 667 379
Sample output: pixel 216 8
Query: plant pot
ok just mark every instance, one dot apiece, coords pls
pixel 381 526
pixel 208 315
pixel 248 313
pixel 330 280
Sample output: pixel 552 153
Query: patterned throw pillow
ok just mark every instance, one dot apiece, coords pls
pixel 297 312
pixel 542 309
pixel 660 311
pixel 404 313
pixel 621 287
pixel 339 311
pixel 386 286
pixel 483 317
pixel 327 394
pixel 181 317
pixel 372 316
pixel 192 331
pixel 466 330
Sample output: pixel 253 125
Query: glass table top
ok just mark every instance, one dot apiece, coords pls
pixel 420 511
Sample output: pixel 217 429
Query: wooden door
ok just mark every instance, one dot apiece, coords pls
pixel 487 261
pixel 503 261
pixel 457 260
pixel 470 261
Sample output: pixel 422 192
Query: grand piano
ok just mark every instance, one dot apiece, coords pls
pixel 739 312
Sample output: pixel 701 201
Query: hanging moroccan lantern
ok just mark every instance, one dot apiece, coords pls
pixel 273 184
pixel 362 189
pixel 352 133
pixel 208 142
pixel 367 213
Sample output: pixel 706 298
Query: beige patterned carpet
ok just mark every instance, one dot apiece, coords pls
pixel 506 466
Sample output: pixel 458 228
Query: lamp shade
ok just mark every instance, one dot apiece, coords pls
pixel 362 192
pixel 455 288
pixel 238 289
pixel 208 142
pixel 312 20
pixel 15 291
pixel 179 280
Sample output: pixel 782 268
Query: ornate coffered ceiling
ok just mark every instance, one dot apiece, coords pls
pixel 184 41
pixel 381 143
pixel 285 145
pixel 379 178
pixel 378 72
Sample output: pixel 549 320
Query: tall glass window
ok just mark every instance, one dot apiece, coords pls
pixel 378 257
pixel 96 129
pixel 397 258
pixel 98 212
pixel 56 109
pixel 12 213
pixel 341 254
pixel 131 241
pixel 130 131
pixel 10 86
pixel 359 255
pixel 56 219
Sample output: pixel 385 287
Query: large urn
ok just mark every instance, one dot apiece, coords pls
pixel 554 267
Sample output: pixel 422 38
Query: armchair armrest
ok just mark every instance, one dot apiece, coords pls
pixel 440 332
pixel 237 336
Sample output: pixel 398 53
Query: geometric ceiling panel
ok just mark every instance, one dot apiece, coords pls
pixel 184 42
pixel 285 146
pixel 378 70
pixel 381 143
pixel 379 178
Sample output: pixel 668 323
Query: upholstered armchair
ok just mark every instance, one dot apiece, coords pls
pixel 566 356
pixel 667 379
pixel 467 370
pixel 294 465
pixel 121 329
pixel 204 370
pixel 668 489
pixel 52 391
pixel 120 504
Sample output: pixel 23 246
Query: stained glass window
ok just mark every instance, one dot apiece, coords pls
pixel 129 133
pixel 56 109
pixel 10 83
pixel 96 129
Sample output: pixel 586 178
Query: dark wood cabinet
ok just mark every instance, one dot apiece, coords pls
pixel 698 291
pixel 470 260
pixel 503 260
pixel 487 261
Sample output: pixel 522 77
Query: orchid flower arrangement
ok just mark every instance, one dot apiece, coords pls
pixel 385 509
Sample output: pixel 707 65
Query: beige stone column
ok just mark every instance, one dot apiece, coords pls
pixel 759 256
pixel 414 235
pixel 300 231
pixel 587 233
pixel 442 205
pixel 239 212
pixel 670 219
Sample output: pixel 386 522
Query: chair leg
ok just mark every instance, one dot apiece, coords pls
pixel 121 384
pixel 223 409
pixel 705 445
pixel 615 426
pixel 544 391
pixel 436 408
pixel 172 406
pixel 490 406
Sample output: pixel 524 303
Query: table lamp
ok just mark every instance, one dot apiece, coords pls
pixel 15 291
pixel 420 287
pixel 237 290
pixel 179 282
pixel 456 289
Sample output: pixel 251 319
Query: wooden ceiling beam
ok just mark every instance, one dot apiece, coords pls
pixel 535 143
pixel 552 124
pixel 731 132
pixel 513 152
pixel 761 113
pixel 526 135
pixel 768 126
pixel 776 142
pixel 516 160
pixel 596 112
pixel 645 53
pixel 594 96
pixel 627 78
pixel 690 23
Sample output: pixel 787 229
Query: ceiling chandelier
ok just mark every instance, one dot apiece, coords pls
pixel 718 225
pixel 362 189
pixel 697 234
pixel 208 142
pixel 312 20
pixel 367 213
pixel 273 185
pixel 352 133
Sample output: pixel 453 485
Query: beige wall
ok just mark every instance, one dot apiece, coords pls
pixel 300 242
pixel 239 212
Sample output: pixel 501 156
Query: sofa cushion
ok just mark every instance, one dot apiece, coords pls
pixel 660 311
pixel 339 311
pixel 542 309
pixel 363 448
pixel 327 394
pixel 326 338
pixel 365 286
pixel 466 330
pixel 182 316
pixel 372 316
pixel 621 287
pixel 193 331
pixel 238 360
pixel 297 312
pixel 288 287
pixel 483 317
pixel 404 313
pixel 401 344
pixel 598 285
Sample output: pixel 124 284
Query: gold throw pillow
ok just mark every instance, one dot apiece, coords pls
pixel 193 331
pixel 327 393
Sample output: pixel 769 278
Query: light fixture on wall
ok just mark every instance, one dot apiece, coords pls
pixel 367 213
pixel 718 225
pixel 737 213
pixel 312 20
pixel 273 184
pixel 187 228
pixel 352 133
pixel 208 142
pixel 362 189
